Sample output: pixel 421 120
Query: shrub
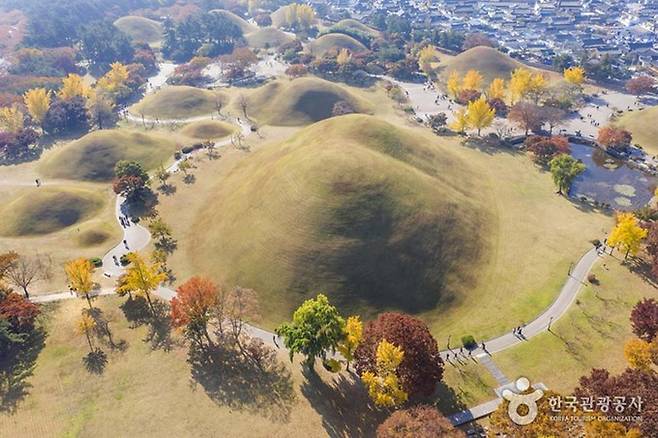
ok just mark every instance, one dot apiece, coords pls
pixel 592 279
pixel 187 149
pixel 97 262
pixel 468 342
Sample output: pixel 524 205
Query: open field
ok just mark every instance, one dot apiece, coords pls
pixel 507 278
pixel 334 41
pixel 207 129
pixel 266 37
pixel 140 28
pixel 179 102
pixel 591 335
pixel 643 126
pixel 140 384
pixel 243 24
pixel 302 101
pixel 93 156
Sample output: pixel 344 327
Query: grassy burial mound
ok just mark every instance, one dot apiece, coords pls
pixel 47 210
pixel 352 206
pixel 301 101
pixel 243 24
pixel 335 41
pixel 207 129
pixel 93 157
pixel 488 61
pixel 352 24
pixel 643 126
pixel 267 37
pixel 179 102
pixel 140 28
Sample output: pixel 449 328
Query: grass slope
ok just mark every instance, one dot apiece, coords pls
pixel 207 129
pixel 300 101
pixel 334 41
pixel 48 210
pixel 488 61
pixel 243 24
pixel 93 156
pixel 179 102
pixel 643 126
pixel 350 23
pixel 352 206
pixel 140 28
pixel 267 37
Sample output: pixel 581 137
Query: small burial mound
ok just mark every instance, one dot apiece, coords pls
pixel 47 210
pixel 140 28
pixel 335 41
pixel 207 130
pixel 93 157
pixel 243 24
pixel 179 102
pixel 352 24
pixel 301 101
pixel 267 37
pixel 488 61
pixel 369 213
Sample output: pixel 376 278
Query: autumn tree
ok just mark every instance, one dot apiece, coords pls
pixel 343 57
pixel 472 80
pixel 26 270
pixel 544 149
pixel 79 274
pixel 627 234
pixel 612 137
pixel 72 87
pixel 644 319
pixel 114 82
pixel 523 83
pixel 527 116
pixel 101 108
pixel 496 89
pixel 574 75
pixel 454 84
pixel 426 56
pixel 192 308
pixel 130 180
pixel 461 122
pixel 421 368
pixel 383 383
pixel 553 116
pixel 85 326
pixel 564 169
pixel 638 354
pixel 141 278
pixel 419 422
pixel 37 102
pixel 316 327
pixel 353 333
pixel 640 85
pixel 475 40
pixel 480 114
pixel 11 119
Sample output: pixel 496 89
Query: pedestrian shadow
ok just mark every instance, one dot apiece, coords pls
pixel 343 404
pixel 262 387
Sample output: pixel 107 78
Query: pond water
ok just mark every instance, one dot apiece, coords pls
pixel 610 180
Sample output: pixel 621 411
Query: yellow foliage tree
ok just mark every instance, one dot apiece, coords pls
pixel 37 101
pixel 79 275
pixel 353 336
pixel 520 83
pixel 461 122
pixel 472 80
pixel 426 56
pixel 496 89
pixel 73 86
pixel 480 114
pixel 141 278
pixel 537 86
pixel 343 57
pixel 384 385
pixel 627 233
pixel 84 326
pixel 574 75
pixel 11 119
pixel 606 429
pixel 113 83
pixel 638 354
pixel 454 84
pixel 305 16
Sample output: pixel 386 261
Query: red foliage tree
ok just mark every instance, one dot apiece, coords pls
pixel 418 422
pixel 644 319
pixel 528 116
pixel 129 186
pixel 18 311
pixel 193 305
pixel 544 149
pixel 615 138
pixel 422 367
pixel 640 85
pixel 475 40
pixel 499 105
pixel 296 70
pixel 466 96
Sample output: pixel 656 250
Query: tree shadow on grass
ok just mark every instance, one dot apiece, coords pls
pixel 229 379
pixel 343 404
pixel 447 400
pixel 138 313
pixel 103 332
pixel 17 366
pixel 95 361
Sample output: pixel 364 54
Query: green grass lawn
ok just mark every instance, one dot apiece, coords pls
pixel 591 335
pixel 642 125
pixel 151 391
pixel 179 102
pixel 208 129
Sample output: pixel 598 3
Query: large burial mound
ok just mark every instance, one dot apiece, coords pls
pixel 335 41
pixel 48 210
pixel 371 214
pixel 488 61
pixel 267 37
pixel 301 101
pixel 643 126
pixel 93 156
pixel 207 129
pixel 352 24
pixel 179 102
pixel 140 28
pixel 243 24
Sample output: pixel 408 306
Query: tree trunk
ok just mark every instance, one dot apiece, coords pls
pixel 148 298
pixel 627 251
pixel 27 294
pixel 89 301
pixel 91 347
